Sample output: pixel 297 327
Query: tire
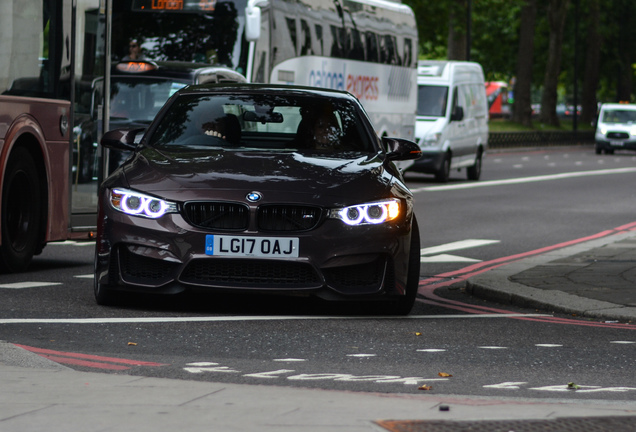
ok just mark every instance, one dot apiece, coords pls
pixel 474 172
pixel 103 296
pixel 444 172
pixel 405 303
pixel 598 149
pixel 21 212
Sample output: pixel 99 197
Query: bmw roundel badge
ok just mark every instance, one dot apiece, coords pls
pixel 254 196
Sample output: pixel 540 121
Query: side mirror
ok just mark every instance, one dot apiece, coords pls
pixel 252 21
pixel 399 149
pixel 458 113
pixel 122 139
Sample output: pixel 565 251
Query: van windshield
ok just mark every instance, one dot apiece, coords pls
pixel 619 116
pixel 431 100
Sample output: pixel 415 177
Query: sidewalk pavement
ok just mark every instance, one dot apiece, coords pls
pixel 594 279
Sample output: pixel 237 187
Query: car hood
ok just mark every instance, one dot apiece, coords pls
pixel 621 127
pixel 279 176
pixel 425 126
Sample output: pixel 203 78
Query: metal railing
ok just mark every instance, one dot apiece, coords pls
pixel 499 140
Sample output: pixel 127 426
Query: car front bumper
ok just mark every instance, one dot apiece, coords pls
pixel 335 262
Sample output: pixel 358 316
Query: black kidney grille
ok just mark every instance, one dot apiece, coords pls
pixel 217 215
pixel 249 273
pixel 288 217
pixel 618 135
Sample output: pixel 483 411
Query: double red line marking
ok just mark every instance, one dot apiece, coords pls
pixel 428 286
pixel 87 360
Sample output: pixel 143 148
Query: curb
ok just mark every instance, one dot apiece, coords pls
pixel 495 285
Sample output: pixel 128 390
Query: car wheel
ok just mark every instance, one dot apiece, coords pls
pixel 21 212
pixel 103 296
pixel 405 303
pixel 444 172
pixel 598 149
pixel 474 172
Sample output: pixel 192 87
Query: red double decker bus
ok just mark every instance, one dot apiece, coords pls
pixel 42 196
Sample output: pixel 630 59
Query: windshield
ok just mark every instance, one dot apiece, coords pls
pixel 192 31
pixel 619 116
pixel 431 100
pixel 139 99
pixel 263 122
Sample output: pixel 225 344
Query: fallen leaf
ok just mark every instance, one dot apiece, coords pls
pixel 418 334
pixel 132 343
pixel 425 387
pixel 573 386
pixel 444 374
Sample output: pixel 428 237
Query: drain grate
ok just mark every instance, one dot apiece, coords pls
pixel 577 424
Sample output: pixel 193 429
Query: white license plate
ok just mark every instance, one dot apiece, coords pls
pixel 282 247
pixel 617 143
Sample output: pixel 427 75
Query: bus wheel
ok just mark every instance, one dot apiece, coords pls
pixel 21 212
pixel 444 171
pixel 474 172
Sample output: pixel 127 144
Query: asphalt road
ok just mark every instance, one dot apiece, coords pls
pixel 525 201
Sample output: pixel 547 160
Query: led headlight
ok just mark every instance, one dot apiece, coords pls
pixel 430 140
pixel 138 204
pixel 369 213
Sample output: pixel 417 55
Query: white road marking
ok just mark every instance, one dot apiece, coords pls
pixel 73 243
pixel 290 360
pixel 471 185
pixel 435 254
pixel 458 245
pixel 623 342
pixel 510 385
pixel 548 345
pixel 445 258
pixel 282 373
pixel 431 350
pixel 492 347
pixel 361 355
pixel 154 320
pixel 23 285
pixel 583 389
pixel 86 276
pixel 270 374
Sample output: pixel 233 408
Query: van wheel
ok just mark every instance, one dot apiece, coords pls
pixel 474 172
pixel 21 212
pixel 444 172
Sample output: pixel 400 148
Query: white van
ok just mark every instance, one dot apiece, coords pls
pixel 452 118
pixel 616 128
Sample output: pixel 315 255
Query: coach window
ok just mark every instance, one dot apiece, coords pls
pixel 372 47
pixel 305 34
pixel 356 49
pixel 408 50
pixel 336 45
pixel 319 38
pixel 291 26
